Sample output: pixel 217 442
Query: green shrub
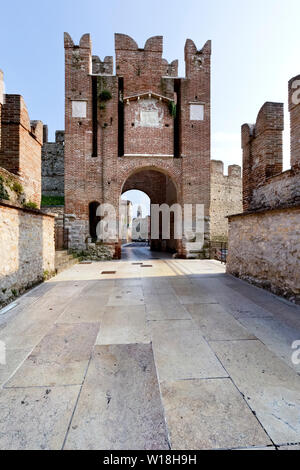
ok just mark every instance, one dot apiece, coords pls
pixel 17 187
pixel 3 192
pixel 53 201
pixel 30 205
pixel 105 95
pixel 173 109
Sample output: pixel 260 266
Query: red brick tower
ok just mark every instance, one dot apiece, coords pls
pixel 143 128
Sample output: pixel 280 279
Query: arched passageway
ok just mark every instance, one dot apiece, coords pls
pixel 161 190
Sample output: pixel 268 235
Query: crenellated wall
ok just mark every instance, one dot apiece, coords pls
pixel 226 198
pixel 53 168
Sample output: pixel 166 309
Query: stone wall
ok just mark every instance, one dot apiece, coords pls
pixel 58 212
pixel 11 188
pixel 26 249
pixel 53 165
pixel 264 249
pixel 226 198
pixel 280 191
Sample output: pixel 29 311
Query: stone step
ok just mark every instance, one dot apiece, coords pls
pixel 63 261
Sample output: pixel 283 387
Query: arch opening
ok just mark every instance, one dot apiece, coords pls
pixel 160 189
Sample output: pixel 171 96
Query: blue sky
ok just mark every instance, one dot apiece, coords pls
pixel 255 51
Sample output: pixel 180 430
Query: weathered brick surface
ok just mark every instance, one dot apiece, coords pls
pixel 26 249
pixel 282 190
pixel 294 108
pixel 226 198
pixel 262 149
pixel 100 174
pixel 21 142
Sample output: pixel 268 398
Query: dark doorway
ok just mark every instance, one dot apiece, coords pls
pixel 93 219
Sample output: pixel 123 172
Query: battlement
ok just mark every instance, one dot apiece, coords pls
pixel 196 60
pixel 226 197
pixel 84 43
pixel 105 67
pixel 217 169
pixel 53 165
pixel 123 42
pixel 146 66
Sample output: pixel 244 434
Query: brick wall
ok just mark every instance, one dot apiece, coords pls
pixel 21 142
pixel 264 184
pixel 159 138
pixel 262 149
pixel 99 134
pixel 226 198
pixel 294 108
pixel 1 102
pixel 26 249
pixel 53 165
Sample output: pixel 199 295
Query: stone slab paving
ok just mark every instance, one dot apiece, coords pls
pixel 182 353
pixel 270 387
pixel 120 405
pixel 175 355
pixel 216 324
pixel 209 414
pixel 61 358
pixel 276 334
pixel 36 418
pixel 121 325
pixel 87 309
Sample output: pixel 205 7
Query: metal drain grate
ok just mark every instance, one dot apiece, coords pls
pixel 109 272
pixel 137 264
pixel 146 266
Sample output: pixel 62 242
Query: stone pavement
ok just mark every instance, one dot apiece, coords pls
pixel 159 355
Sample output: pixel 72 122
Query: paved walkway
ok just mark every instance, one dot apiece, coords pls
pixel 164 354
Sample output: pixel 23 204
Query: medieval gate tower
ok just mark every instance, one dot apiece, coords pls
pixel 143 128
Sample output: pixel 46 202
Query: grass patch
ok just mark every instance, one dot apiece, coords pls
pixel 53 201
pixel 173 109
pixel 30 205
pixel 17 187
pixel 3 192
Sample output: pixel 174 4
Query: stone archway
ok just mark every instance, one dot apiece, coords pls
pixel 161 189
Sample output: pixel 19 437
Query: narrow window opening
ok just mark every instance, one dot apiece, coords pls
pixel 121 118
pixel 95 117
pixel 93 220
